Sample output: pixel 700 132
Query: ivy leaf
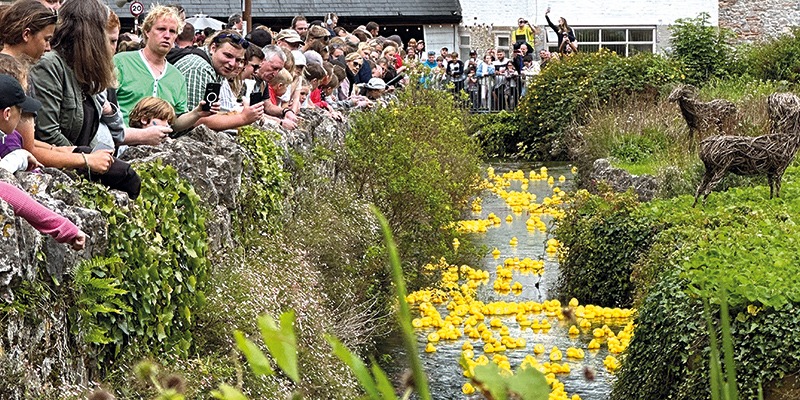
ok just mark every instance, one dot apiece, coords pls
pixel 529 384
pixel 489 378
pixel 258 361
pixel 281 342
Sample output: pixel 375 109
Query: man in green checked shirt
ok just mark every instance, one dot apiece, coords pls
pixel 225 53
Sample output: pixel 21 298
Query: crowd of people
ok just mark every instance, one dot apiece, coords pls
pixel 494 80
pixel 83 93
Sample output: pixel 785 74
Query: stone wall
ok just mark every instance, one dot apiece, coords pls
pixel 754 20
pixel 39 355
pixel 620 180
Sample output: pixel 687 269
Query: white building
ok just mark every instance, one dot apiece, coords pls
pixel 623 26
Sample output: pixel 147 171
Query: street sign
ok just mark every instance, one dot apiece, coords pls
pixel 137 8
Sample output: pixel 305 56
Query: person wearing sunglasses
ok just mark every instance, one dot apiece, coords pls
pixel 226 51
pixel 524 33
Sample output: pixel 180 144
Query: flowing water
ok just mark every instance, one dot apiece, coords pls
pixel 445 375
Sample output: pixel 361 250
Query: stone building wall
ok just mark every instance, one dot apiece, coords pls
pixel 753 20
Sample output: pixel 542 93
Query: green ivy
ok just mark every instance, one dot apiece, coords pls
pixel 144 304
pixel 741 244
pixel 601 238
pixel 263 184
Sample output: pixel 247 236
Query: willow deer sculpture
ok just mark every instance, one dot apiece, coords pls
pixel 767 154
pixel 702 116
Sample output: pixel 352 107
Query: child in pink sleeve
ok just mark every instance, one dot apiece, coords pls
pixel 13 102
pixel 41 218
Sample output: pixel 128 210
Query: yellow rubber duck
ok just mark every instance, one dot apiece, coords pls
pixel 555 354
pixel 509 219
pixel 573 330
pixel 513 241
pixel 467 388
pixel 430 348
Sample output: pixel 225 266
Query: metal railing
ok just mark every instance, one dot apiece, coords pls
pixel 486 94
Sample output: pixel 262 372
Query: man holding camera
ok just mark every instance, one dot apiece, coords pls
pixel 225 59
pixel 524 33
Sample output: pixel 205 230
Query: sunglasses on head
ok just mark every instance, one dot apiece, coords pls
pixel 234 38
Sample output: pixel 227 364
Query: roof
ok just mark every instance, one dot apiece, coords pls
pixel 430 10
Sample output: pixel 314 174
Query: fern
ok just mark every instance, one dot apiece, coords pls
pixel 98 298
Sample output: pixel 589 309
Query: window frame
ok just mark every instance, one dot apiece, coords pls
pixel 553 46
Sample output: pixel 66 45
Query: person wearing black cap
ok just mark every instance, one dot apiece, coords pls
pixel 13 103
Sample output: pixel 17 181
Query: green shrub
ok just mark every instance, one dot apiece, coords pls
pixel 740 242
pixel 160 283
pixel 568 91
pixel 669 354
pixel 414 160
pixel 776 59
pixel 704 49
pixel 498 133
pixel 601 237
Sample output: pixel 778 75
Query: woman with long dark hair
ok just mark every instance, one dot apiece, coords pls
pixel 68 81
pixel 566 37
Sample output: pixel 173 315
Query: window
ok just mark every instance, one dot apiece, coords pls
pixel 503 42
pixel 625 41
pixel 463 49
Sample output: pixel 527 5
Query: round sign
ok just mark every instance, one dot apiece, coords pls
pixel 137 8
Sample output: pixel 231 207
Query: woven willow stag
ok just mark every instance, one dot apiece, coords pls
pixel 768 154
pixel 701 116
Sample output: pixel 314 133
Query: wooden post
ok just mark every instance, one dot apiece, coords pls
pixel 246 15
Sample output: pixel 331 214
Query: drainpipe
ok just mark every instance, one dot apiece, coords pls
pixel 456 44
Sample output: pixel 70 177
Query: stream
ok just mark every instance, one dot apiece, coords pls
pixel 440 357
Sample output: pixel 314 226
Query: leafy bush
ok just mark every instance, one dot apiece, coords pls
pixel 741 243
pixel 601 238
pixel 704 49
pixel 569 90
pixel 776 59
pixel 634 149
pixel 498 133
pixel 263 183
pixel 160 284
pixel 414 160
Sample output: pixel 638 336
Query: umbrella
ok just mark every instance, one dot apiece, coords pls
pixel 200 22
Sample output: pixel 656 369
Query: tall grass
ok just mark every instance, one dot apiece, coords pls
pixel 646 134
